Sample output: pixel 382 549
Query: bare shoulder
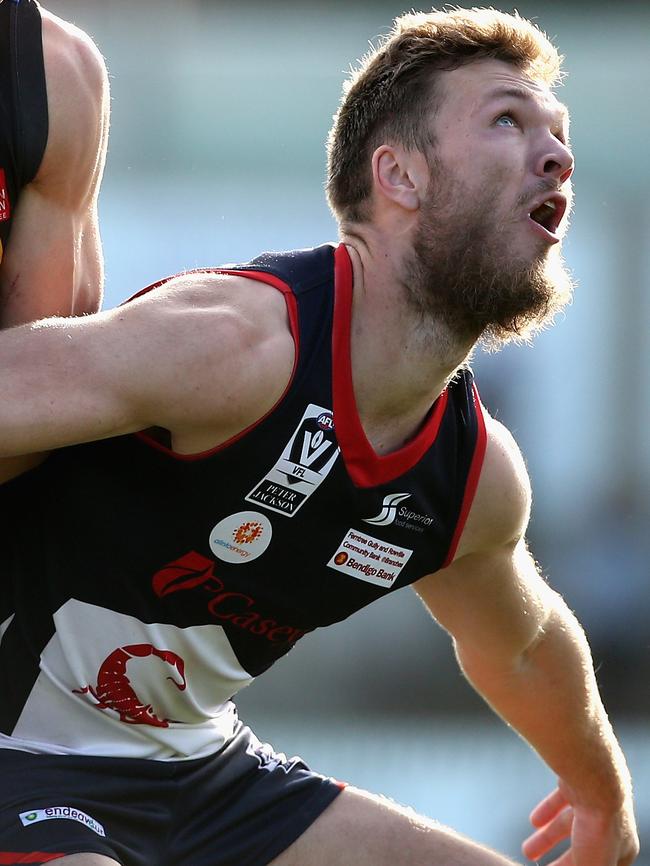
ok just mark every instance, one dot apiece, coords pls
pixel 78 103
pixel 491 563
pixel 231 338
pixel 202 356
pixel 501 507
pixel 71 49
pixel 249 305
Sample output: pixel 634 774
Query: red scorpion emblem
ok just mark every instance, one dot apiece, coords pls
pixel 114 692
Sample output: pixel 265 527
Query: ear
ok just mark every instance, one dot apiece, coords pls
pixel 400 175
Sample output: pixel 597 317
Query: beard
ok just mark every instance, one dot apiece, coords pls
pixel 462 272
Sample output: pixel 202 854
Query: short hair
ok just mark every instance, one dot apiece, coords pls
pixel 389 97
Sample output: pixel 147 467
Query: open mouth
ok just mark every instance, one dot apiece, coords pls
pixel 549 213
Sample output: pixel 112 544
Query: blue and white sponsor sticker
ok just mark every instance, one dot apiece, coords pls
pixel 33 816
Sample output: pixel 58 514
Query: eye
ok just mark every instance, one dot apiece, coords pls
pixel 506 120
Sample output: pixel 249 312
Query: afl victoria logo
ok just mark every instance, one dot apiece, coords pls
pixel 304 464
pixel 326 421
pixel 241 537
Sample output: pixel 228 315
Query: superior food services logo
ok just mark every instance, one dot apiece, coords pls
pixel 67 812
pixel 304 464
pixel 388 511
pixel 405 517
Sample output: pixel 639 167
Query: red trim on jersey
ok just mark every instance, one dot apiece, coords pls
pixel 472 478
pixel 365 467
pixel 5 204
pixel 8 858
pixel 292 311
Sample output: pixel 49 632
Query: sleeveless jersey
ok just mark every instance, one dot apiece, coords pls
pixel 143 588
pixel 23 105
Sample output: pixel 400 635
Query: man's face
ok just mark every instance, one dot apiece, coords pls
pixel 486 252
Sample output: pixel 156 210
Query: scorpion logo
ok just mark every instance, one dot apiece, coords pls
pixel 114 691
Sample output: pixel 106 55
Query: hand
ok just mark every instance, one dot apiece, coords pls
pixel 598 837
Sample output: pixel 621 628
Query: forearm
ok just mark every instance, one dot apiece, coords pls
pixel 57 389
pixel 549 695
pixel 55 270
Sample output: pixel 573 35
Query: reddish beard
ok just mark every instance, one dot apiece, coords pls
pixel 462 272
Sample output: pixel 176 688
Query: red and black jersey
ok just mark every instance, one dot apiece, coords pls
pixel 143 588
pixel 23 104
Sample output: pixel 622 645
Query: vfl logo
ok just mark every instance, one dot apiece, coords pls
pixel 114 691
pixel 388 512
pixel 304 464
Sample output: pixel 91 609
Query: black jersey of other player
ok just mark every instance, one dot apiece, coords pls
pixel 23 105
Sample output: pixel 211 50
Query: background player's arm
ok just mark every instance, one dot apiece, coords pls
pixel 524 651
pixel 53 262
pixel 203 356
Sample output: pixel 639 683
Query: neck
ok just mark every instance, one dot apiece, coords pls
pixel 401 358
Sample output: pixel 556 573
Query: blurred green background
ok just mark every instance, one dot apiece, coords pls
pixel 219 116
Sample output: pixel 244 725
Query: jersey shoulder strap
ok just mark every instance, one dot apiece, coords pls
pixel 29 89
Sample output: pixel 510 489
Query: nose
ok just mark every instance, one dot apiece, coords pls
pixel 555 162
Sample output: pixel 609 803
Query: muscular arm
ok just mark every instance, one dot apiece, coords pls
pixel 203 357
pixel 53 263
pixel 525 652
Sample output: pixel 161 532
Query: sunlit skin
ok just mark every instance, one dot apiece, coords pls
pixel 501 155
pixel 516 640
pixel 497 166
pixel 508 134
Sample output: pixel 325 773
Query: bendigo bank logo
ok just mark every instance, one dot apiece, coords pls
pixel 368 558
pixel 304 464
pixel 227 607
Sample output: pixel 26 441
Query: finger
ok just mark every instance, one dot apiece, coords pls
pixel 548 808
pixel 542 840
